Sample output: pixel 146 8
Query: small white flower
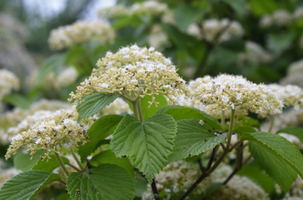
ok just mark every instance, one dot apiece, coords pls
pixel 104 85
pixel 17 137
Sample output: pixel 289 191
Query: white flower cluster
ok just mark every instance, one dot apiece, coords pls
pixel 175 179
pixel 81 31
pixel 278 18
pixel 254 54
pixel 226 92
pixel 8 82
pixel 178 176
pixel 294 74
pixel 224 29
pixel 298 13
pixel 117 107
pixel 157 37
pixel 133 72
pixel 54 131
pixel 291 95
pixel 146 8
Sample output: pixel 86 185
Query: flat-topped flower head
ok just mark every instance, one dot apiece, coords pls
pixel 226 92
pixel 133 72
pixel 79 32
pixel 54 131
pixel 291 95
pixel 8 82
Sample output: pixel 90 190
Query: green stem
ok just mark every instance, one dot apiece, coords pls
pixel 77 160
pixel 223 119
pixel 137 110
pixel 272 122
pixel 231 127
pixel 61 163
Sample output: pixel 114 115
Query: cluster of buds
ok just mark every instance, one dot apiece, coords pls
pixel 133 72
pixel 8 82
pixel 81 31
pixel 53 132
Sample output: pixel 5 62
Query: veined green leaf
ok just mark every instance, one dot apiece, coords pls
pixel 24 162
pixel 102 128
pixel 244 129
pixel 50 165
pixel 106 182
pixel 193 139
pixel 27 185
pixel 94 103
pixel 280 158
pixel 147 143
pixel 293 130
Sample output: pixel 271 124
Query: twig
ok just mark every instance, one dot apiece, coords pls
pixel 155 190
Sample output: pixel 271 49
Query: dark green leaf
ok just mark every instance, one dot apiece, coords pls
pixel 94 103
pixel 193 139
pixel 244 129
pixel 260 7
pixel 147 143
pixel 238 6
pixel 148 112
pixel 50 165
pixel 247 121
pixel 235 44
pixel 186 15
pixel 27 185
pixel 106 182
pixel 17 100
pixel 296 131
pixel 279 42
pixel 102 128
pixel 110 157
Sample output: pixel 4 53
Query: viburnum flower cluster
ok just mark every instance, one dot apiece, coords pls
pixel 291 95
pixel 279 18
pixel 133 72
pixel 52 132
pixel 8 82
pixel 226 92
pixel 79 32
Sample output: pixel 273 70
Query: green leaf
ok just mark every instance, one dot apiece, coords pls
pixel 296 131
pixel 26 185
pixel 276 168
pixel 110 157
pixel 94 103
pixel 193 139
pixel 102 128
pixel 106 182
pixel 234 44
pixel 280 42
pixel 54 63
pixel 182 112
pixel 247 121
pixel 238 6
pixel 186 15
pixel 50 165
pixel 148 112
pixel 147 143
pixel 175 35
pixel 256 175
pixel 244 129
pixel 24 162
pixel 277 156
pixel 17 100
pixel 260 7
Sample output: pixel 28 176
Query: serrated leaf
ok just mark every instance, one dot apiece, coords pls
pixel 275 167
pixel 106 182
pixel 182 112
pixel 102 128
pixel 293 130
pixel 54 63
pixel 186 15
pixel 193 139
pixel 94 103
pixel 27 185
pixel 109 157
pixel 148 112
pixel 24 162
pixel 50 165
pixel 268 149
pixel 147 143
